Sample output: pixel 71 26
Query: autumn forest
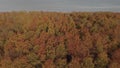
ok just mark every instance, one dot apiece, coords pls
pixel 59 40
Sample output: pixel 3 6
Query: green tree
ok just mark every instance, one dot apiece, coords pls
pixel 87 63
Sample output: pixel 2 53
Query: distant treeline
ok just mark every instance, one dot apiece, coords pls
pixel 59 40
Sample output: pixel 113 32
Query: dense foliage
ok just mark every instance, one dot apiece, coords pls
pixel 59 40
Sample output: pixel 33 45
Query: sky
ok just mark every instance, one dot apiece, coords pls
pixel 60 5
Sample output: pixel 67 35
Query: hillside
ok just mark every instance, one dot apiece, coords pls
pixel 59 40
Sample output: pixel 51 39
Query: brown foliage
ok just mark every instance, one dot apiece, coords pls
pixel 59 40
